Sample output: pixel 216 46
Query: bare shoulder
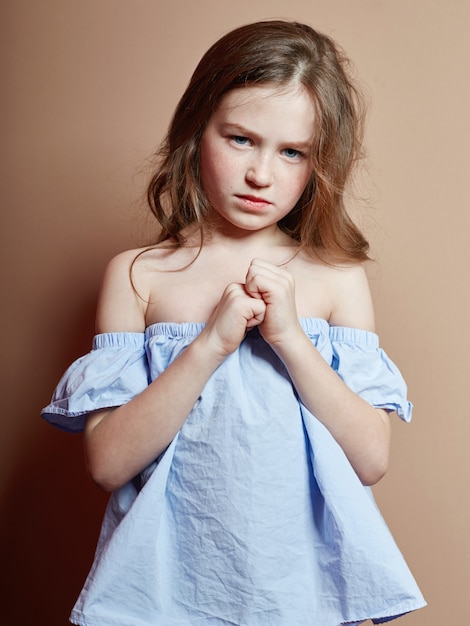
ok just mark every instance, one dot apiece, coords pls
pixel 120 306
pixel 351 301
pixel 340 290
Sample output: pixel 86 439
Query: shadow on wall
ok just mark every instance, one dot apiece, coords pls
pixel 50 525
pixel 51 511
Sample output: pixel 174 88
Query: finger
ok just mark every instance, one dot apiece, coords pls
pixel 260 265
pixel 250 308
pixel 263 268
pixel 263 280
pixel 258 313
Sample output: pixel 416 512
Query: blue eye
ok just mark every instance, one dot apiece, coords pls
pixel 291 153
pixel 240 140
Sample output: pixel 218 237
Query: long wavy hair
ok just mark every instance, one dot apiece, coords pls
pixel 280 53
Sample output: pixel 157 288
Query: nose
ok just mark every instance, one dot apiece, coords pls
pixel 259 172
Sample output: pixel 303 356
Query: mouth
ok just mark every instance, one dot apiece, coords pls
pixel 253 201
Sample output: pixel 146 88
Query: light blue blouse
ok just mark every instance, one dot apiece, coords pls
pixel 253 516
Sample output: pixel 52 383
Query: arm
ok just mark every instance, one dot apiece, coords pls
pixel 361 430
pixel 121 442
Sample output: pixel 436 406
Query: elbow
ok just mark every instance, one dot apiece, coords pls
pixel 103 461
pixel 105 477
pixel 107 483
pixel 374 470
pixel 374 461
pixel 370 477
pixel 103 481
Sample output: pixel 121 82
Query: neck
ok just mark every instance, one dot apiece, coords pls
pixel 269 237
pixel 271 244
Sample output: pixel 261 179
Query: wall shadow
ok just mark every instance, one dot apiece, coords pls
pixel 51 511
pixel 49 527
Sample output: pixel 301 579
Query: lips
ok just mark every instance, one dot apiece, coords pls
pixel 253 201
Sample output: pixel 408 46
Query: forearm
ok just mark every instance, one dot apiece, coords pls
pixel 121 442
pixel 362 431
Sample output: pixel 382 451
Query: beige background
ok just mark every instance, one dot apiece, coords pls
pixel 87 90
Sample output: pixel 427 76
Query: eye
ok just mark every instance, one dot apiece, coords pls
pixel 292 153
pixel 240 140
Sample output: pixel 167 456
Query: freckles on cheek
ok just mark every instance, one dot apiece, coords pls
pixel 221 168
pixel 307 176
pixel 210 162
pixel 299 182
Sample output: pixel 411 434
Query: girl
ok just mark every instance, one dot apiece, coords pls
pixel 236 401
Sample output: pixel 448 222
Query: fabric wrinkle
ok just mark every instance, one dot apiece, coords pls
pixel 253 515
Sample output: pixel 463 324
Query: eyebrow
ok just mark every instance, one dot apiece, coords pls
pixel 237 129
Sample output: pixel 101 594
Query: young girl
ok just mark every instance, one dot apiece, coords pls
pixel 236 400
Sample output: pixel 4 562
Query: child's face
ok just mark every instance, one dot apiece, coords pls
pixel 255 154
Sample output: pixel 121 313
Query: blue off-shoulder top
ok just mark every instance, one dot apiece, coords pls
pixel 253 516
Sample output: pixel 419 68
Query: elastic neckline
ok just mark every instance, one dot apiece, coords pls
pixel 311 325
pixel 185 329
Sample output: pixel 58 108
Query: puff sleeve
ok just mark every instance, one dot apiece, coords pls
pixel 368 371
pixel 111 374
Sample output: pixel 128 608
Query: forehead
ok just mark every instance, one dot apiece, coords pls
pixel 282 110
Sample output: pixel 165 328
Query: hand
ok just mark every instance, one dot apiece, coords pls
pixel 276 287
pixel 236 313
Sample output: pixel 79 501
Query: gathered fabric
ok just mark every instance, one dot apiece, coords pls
pixel 253 516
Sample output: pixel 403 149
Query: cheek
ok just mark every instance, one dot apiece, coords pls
pixel 298 182
pixel 208 175
pixel 216 169
pixel 204 163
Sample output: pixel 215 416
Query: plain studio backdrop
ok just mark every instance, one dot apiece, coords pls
pixel 87 90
